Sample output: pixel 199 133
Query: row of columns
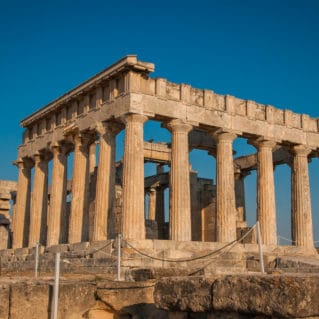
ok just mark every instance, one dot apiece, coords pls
pixel 133 189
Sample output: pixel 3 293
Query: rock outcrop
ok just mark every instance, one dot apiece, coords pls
pixel 287 296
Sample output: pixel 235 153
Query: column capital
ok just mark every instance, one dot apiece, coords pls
pixel 301 150
pixel 25 162
pixel 58 148
pixel 19 163
pixel 241 174
pixel 178 125
pixel 223 136
pixel 81 140
pixel 108 127
pixel 42 156
pixel 37 158
pixel 261 142
pixel 134 117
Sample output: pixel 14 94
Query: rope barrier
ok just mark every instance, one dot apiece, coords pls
pixel 223 253
pixel 190 259
pixel 286 239
pixel 290 240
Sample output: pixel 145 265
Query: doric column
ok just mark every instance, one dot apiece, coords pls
pixel 79 218
pixel 133 178
pixel 21 217
pixel 105 184
pixel 180 209
pixel 301 218
pixel 160 211
pixel 92 157
pixel 240 198
pixel 266 206
pixel 57 196
pixel 152 204
pixel 225 188
pixel 39 203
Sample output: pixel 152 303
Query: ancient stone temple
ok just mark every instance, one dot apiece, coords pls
pixel 104 198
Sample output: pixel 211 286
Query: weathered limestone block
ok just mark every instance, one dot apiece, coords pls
pixel 183 294
pixel 99 311
pixel 29 301
pixel 75 299
pixel 4 301
pixel 282 296
pixel 118 295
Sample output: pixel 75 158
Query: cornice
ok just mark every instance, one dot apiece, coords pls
pixel 129 62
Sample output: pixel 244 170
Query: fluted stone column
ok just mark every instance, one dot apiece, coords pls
pixel 57 197
pixel 79 216
pixel 160 211
pixel 21 217
pixel 225 188
pixel 39 203
pixel 301 218
pixel 152 204
pixel 180 208
pixel 133 223
pixel 240 198
pixel 266 206
pixel 92 157
pixel 160 205
pixel 105 184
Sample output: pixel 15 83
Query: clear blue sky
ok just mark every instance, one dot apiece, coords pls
pixel 261 50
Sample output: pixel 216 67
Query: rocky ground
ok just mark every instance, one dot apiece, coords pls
pixel 192 297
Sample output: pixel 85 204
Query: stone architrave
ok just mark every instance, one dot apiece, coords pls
pixel 266 205
pixel 133 223
pixel 180 208
pixel 225 188
pixel 79 216
pixel 105 184
pixel 301 218
pixel 57 207
pixel 21 217
pixel 39 203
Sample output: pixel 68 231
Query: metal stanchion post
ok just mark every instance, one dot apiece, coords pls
pixel 119 242
pixel 261 258
pixel 36 260
pixel 56 287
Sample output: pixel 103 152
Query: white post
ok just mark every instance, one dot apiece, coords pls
pixel 56 287
pixel 261 258
pixel 36 260
pixel 119 242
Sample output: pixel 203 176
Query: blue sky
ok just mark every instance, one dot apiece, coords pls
pixel 261 50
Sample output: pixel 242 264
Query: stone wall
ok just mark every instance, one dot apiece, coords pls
pixel 223 297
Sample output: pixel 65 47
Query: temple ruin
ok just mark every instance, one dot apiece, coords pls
pixel 105 197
